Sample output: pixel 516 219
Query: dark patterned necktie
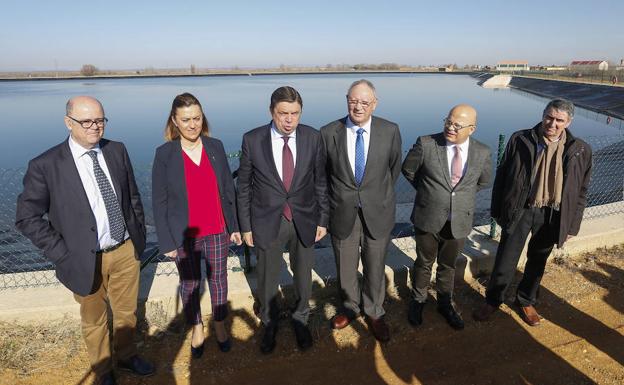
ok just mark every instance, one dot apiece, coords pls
pixel 113 210
pixel 288 169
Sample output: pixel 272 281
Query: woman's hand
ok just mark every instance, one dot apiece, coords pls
pixel 171 254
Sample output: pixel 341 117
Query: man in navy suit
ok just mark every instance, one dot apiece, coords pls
pixel 282 200
pixel 94 232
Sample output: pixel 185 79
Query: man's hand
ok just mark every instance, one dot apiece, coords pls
pixel 171 254
pixel 320 233
pixel 236 238
pixel 248 238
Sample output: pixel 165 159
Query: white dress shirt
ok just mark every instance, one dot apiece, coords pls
pixel 277 144
pixel 84 164
pixel 450 153
pixel 352 137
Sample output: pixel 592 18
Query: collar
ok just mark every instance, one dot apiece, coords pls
pixel 78 151
pixel 278 135
pixel 463 148
pixel 353 127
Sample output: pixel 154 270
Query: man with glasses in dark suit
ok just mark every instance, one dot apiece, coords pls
pixel 446 169
pixel 81 206
pixel 363 164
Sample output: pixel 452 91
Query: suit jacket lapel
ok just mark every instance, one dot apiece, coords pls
pixel 114 169
pixel 443 158
pixel 267 149
pixel 340 139
pixel 375 138
pixel 176 163
pixel 72 179
pixel 300 141
pixel 472 153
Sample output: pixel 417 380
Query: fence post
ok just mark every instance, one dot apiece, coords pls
pixel 499 157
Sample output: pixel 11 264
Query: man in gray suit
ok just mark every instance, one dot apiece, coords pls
pixel 446 169
pixel 363 164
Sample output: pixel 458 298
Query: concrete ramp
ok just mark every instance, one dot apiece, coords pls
pixel 496 81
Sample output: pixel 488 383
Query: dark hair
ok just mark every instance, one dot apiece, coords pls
pixel 561 105
pixel 285 94
pixel 180 101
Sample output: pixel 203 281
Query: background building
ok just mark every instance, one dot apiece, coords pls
pixel 512 65
pixel 588 65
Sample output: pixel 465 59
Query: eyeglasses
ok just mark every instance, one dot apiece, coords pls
pixel 88 123
pixel 455 126
pixel 354 102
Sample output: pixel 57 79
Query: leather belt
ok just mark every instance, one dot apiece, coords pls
pixel 113 247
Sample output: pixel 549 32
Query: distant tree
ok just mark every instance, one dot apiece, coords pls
pixel 88 70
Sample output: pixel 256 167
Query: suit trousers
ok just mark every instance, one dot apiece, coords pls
pixel 269 267
pixel 373 254
pixel 116 284
pixel 543 224
pixel 430 247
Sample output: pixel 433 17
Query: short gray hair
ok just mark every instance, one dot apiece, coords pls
pixel 561 105
pixel 362 81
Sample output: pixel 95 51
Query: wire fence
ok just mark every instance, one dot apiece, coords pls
pixel 23 265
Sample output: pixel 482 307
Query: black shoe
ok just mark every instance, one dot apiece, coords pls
pixel 452 316
pixel 268 338
pixel 137 365
pixel 197 351
pixel 106 379
pixel 302 334
pixel 414 313
pixel 225 346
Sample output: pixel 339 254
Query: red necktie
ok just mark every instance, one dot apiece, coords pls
pixel 288 169
pixel 456 167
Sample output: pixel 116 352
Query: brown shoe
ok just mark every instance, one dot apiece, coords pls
pixel 379 328
pixel 484 312
pixel 529 315
pixel 340 321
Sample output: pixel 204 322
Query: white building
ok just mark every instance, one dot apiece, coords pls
pixel 512 65
pixel 588 65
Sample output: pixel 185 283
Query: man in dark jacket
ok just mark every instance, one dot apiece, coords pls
pixel 282 201
pixel 540 187
pixel 82 208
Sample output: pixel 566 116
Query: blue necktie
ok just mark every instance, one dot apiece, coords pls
pixel 360 161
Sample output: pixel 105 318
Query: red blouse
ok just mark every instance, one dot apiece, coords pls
pixel 204 203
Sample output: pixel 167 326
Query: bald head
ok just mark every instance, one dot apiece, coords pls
pixel 460 123
pixel 465 112
pixel 82 116
pixel 82 102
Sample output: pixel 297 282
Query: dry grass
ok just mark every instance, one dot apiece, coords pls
pixel 33 347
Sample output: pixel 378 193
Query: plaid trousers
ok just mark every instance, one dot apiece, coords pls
pixel 213 249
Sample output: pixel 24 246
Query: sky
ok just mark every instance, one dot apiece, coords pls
pixel 133 34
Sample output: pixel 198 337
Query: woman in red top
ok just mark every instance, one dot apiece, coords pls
pixel 195 213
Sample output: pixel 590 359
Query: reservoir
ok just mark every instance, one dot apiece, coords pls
pixel 32 111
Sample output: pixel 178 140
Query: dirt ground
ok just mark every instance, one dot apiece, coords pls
pixel 580 342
